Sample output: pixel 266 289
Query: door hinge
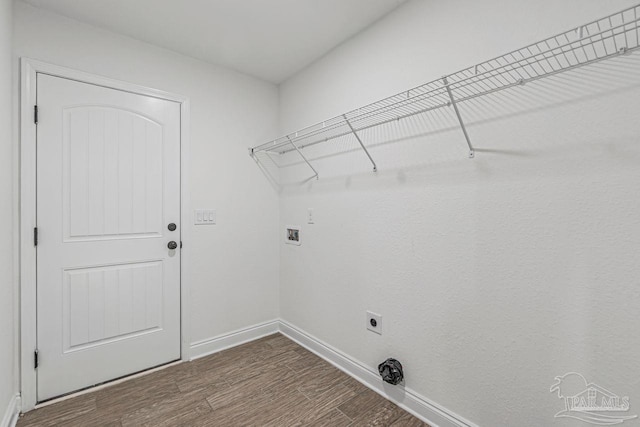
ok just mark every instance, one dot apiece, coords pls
pixel 35 236
pixel 35 114
pixel 35 359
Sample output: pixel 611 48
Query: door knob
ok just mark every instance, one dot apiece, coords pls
pixel 172 245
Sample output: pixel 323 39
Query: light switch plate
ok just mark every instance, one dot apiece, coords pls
pixel 204 217
pixel 310 216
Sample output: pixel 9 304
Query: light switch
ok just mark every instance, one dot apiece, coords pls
pixel 205 217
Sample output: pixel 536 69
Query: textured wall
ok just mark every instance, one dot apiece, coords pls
pixel 226 294
pixel 493 275
pixel 8 386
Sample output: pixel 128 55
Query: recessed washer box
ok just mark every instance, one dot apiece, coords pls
pixel 292 235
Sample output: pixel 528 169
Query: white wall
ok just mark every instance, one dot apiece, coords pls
pixel 493 275
pixel 234 264
pixel 8 386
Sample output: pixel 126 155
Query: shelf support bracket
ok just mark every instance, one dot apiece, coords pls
pixel 375 168
pixel 455 108
pixel 303 157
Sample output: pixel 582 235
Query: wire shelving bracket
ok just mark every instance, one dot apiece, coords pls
pixel 607 37
pixel 375 168
pixel 455 108
pixel 303 157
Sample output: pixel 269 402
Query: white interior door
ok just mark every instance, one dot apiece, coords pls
pixel 108 186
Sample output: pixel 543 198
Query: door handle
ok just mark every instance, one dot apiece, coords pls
pixel 172 245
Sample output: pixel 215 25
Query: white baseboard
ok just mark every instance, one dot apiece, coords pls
pixel 428 411
pixel 12 412
pixel 232 339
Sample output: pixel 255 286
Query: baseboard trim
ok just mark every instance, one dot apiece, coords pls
pixel 221 342
pixel 423 408
pixel 428 411
pixel 12 412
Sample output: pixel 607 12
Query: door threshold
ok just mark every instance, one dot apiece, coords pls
pixel 105 384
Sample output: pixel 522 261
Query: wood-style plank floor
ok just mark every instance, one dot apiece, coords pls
pixel 268 382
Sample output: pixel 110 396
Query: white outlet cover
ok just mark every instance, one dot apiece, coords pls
pixel 378 320
pixel 310 216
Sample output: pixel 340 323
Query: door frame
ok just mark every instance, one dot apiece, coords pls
pixel 28 306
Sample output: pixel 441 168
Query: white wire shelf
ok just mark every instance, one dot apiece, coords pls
pixel 595 41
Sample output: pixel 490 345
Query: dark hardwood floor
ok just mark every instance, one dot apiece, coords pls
pixel 268 382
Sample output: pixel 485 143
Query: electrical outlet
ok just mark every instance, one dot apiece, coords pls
pixel 374 322
pixel 310 216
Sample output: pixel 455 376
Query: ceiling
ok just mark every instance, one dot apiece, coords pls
pixel 269 39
